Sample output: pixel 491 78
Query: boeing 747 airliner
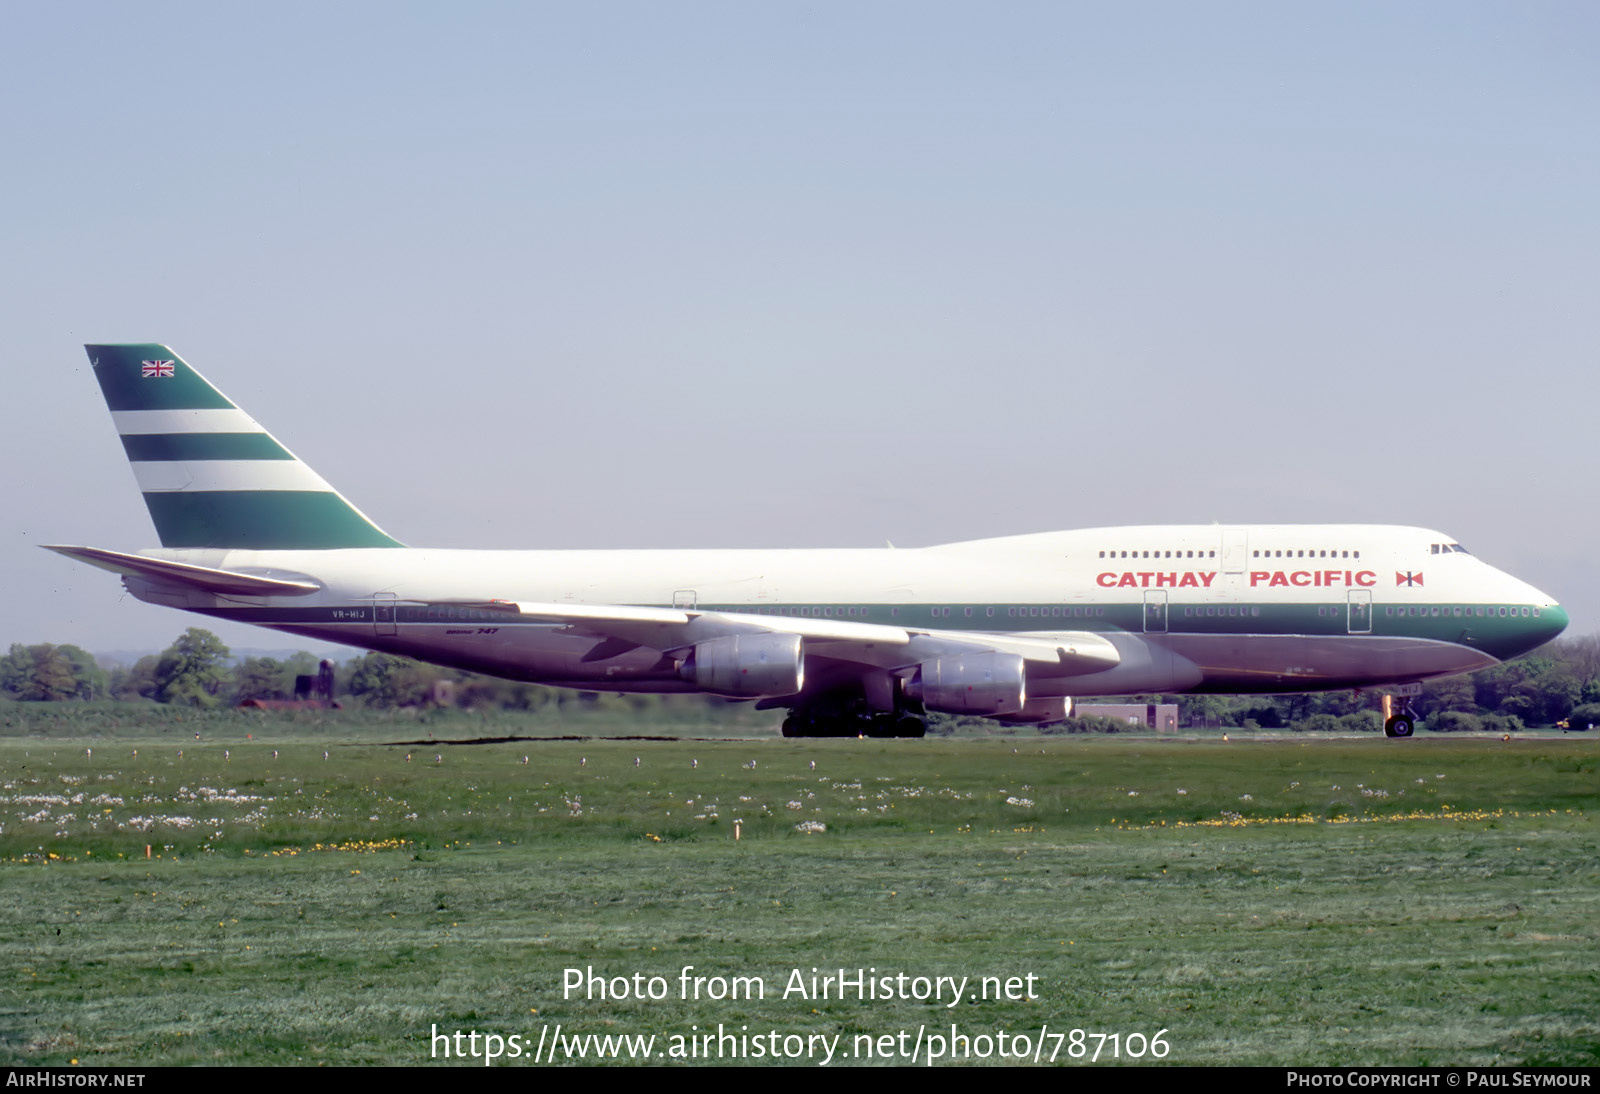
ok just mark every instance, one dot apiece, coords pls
pixel 850 641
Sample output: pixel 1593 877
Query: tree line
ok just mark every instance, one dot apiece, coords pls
pixel 1558 683
pixel 199 670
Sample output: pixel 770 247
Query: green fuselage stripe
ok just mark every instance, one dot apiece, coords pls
pixel 1502 637
pixel 203 446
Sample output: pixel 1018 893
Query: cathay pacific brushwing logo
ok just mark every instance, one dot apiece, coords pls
pixel 160 370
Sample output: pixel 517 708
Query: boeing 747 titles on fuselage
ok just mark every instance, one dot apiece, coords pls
pixel 850 641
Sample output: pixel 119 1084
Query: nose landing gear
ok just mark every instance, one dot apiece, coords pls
pixel 1403 722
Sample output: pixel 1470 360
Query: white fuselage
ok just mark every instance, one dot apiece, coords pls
pixel 1258 608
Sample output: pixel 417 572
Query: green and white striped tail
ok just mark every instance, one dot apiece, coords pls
pixel 211 476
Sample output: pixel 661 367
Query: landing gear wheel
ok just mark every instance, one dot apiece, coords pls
pixel 1402 720
pixel 911 726
pixel 881 725
pixel 846 714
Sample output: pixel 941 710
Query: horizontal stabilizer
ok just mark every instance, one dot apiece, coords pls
pixel 225 582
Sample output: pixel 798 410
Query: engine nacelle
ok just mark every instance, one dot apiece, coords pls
pixel 751 666
pixel 1041 712
pixel 971 683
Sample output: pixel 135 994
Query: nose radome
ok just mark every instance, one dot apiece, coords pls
pixel 1555 620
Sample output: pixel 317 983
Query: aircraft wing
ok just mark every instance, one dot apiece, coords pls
pixel 1064 653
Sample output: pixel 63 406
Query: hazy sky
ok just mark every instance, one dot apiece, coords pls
pixel 608 275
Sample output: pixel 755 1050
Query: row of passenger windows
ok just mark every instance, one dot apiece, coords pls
pixel 1158 554
pixel 1305 554
pixel 827 611
pixel 1473 612
pixel 1189 611
pixel 451 615
pixel 1056 612
pixel 1091 612
pixel 1297 553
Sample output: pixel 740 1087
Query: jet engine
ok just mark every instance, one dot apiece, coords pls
pixel 971 683
pixel 750 666
pixel 1041 712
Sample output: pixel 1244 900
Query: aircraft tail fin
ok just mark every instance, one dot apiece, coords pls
pixel 211 476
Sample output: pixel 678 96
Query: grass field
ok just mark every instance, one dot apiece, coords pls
pixel 1304 901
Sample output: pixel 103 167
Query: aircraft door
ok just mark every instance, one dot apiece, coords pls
pixel 383 613
pixel 683 598
pixel 1360 611
pixel 1155 611
pixel 1235 549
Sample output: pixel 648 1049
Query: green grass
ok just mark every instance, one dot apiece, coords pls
pixel 1316 902
pixel 606 715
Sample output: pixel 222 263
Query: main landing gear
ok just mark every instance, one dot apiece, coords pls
pixel 847 715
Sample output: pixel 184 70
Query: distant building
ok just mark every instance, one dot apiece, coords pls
pixel 1161 717
pixel 311 692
